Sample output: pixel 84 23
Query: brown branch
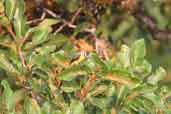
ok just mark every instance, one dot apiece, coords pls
pixel 66 23
pixel 83 92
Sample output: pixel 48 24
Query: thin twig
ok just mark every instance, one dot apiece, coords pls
pixel 75 15
pixel 68 22
pixel 37 20
pixel 51 13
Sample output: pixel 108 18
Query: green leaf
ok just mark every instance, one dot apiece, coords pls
pixel 77 107
pixel 20 20
pixel 159 74
pixel 138 52
pixel 54 42
pixel 59 58
pixel 121 94
pixel 39 35
pixel 6 65
pixel 10 8
pixel 124 56
pixel 7 95
pixel 47 49
pixel 31 106
pixel 99 102
pixel 37 59
pixel 69 87
pixel 72 72
pixel 144 69
pixel 58 40
pixel 157 101
pixel 48 22
pixel 98 62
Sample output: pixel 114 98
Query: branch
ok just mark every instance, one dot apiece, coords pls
pixel 83 92
pixel 66 23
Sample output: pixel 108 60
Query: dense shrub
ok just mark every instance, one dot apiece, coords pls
pixel 47 72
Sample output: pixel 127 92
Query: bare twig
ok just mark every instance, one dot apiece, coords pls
pixel 66 23
pixel 37 20
pixel 51 13
pixel 75 15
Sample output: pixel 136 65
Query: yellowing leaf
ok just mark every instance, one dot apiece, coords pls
pixel 81 58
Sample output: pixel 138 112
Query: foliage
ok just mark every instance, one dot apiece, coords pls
pixel 47 72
